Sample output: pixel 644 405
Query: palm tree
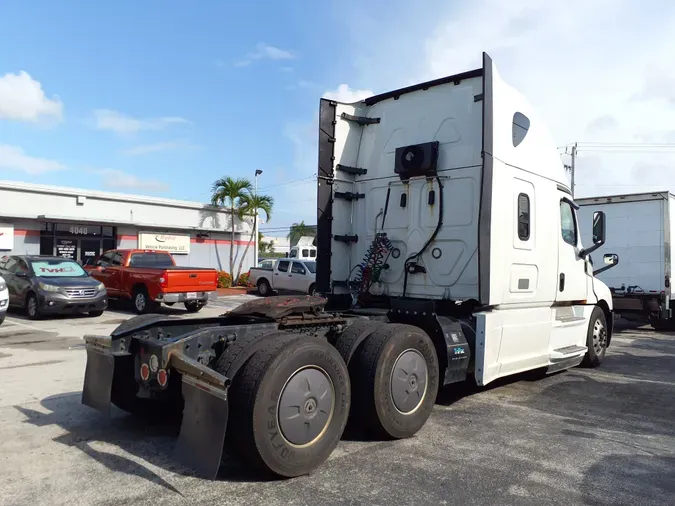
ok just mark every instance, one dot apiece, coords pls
pixel 228 192
pixel 251 204
pixel 299 230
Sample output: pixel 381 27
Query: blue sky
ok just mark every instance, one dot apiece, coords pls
pixel 163 97
pixel 173 93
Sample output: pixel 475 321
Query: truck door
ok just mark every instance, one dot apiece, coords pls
pixel 281 279
pixel 571 282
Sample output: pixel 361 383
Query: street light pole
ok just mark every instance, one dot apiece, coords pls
pixel 255 252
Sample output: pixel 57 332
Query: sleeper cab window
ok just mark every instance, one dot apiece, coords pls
pixel 523 217
pixel 567 223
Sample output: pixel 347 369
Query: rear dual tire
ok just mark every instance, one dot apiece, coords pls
pixel 292 400
pixel 395 378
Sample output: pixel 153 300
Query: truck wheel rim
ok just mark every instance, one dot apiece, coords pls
pixel 306 406
pixel 140 302
pixel 263 288
pixel 32 306
pixel 599 336
pixel 409 378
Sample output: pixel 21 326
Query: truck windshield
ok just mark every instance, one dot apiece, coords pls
pixel 311 267
pixel 158 260
pixel 58 269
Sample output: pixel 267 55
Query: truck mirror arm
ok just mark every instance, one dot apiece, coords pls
pixel 587 251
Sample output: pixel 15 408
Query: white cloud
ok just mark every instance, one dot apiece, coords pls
pixel 158 147
pixel 265 51
pixel 343 93
pixel 105 119
pixel 579 63
pixel 22 98
pixel 13 158
pixel 119 180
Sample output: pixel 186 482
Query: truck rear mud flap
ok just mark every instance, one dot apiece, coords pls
pixel 204 391
pixel 202 432
pixel 98 377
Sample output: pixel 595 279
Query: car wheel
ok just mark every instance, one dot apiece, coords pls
pixel 264 287
pixel 2 319
pixel 142 302
pixel 32 307
pixel 193 306
pixel 312 290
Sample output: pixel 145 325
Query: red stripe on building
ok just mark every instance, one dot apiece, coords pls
pixel 199 240
pixel 31 233
pixel 194 240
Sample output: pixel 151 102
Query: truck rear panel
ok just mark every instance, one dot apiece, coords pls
pixel 640 231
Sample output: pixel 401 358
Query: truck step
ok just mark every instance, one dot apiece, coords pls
pixel 356 171
pixel 361 120
pixel 566 363
pixel 349 195
pixel 346 238
pixel 567 352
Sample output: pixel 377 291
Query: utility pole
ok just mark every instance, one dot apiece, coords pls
pixel 255 251
pixel 574 159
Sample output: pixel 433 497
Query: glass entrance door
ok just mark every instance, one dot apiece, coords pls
pixel 89 249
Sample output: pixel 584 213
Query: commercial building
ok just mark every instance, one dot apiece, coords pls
pixel 81 224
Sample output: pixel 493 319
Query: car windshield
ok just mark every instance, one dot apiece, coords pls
pixel 58 269
pixel 311 267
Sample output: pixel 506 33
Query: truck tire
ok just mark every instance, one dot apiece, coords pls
pixel 355 334
pixel 264 287
pixel 395 378
pixel 242 349
pixel 141 301
pixel 194 306
pixel 285 376
pixel 312 289
pixel 596 339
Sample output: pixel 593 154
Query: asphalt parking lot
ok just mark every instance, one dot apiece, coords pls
pixel 604 436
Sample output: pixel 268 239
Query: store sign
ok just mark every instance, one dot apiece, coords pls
pixel 66 248
pixel 173 243
pixel 6 237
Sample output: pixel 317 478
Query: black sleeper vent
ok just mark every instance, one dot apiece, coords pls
pixel 416 160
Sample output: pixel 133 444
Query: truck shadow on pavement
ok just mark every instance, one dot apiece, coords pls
pixel 106 440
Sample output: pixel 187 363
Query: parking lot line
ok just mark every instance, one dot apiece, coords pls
pixel 14 321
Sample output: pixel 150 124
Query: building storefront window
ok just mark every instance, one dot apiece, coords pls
pixel 79 242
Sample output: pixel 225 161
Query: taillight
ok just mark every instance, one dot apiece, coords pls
pixel 162 282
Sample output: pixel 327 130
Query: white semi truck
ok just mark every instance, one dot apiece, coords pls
pixel 448 249
pixel 641 228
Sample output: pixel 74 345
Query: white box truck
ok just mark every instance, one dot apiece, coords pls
pixel 448 249
pixel 641 228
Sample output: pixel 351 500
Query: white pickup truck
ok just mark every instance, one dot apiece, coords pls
pixel 284 275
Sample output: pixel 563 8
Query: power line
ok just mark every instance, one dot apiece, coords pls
pixel 308 178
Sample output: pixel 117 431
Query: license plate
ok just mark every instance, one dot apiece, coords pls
pixel 191 295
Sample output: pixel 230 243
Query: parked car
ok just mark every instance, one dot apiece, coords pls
pixel 4 299
pixel 149 278
pixel 45 285
pixel 284 275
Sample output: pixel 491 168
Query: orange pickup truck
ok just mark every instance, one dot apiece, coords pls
pixel 149 278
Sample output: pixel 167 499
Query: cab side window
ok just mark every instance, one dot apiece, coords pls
pixel 523 217
pixel 297 268
pixel 567 223
pixel 104 260
pixel 283 265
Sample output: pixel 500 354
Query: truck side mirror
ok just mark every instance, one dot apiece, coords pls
pixel 599 228
pixel 598 234
pixel 610 260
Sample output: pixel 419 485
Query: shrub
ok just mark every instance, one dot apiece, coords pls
pixel 243 279
pixel 224 279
